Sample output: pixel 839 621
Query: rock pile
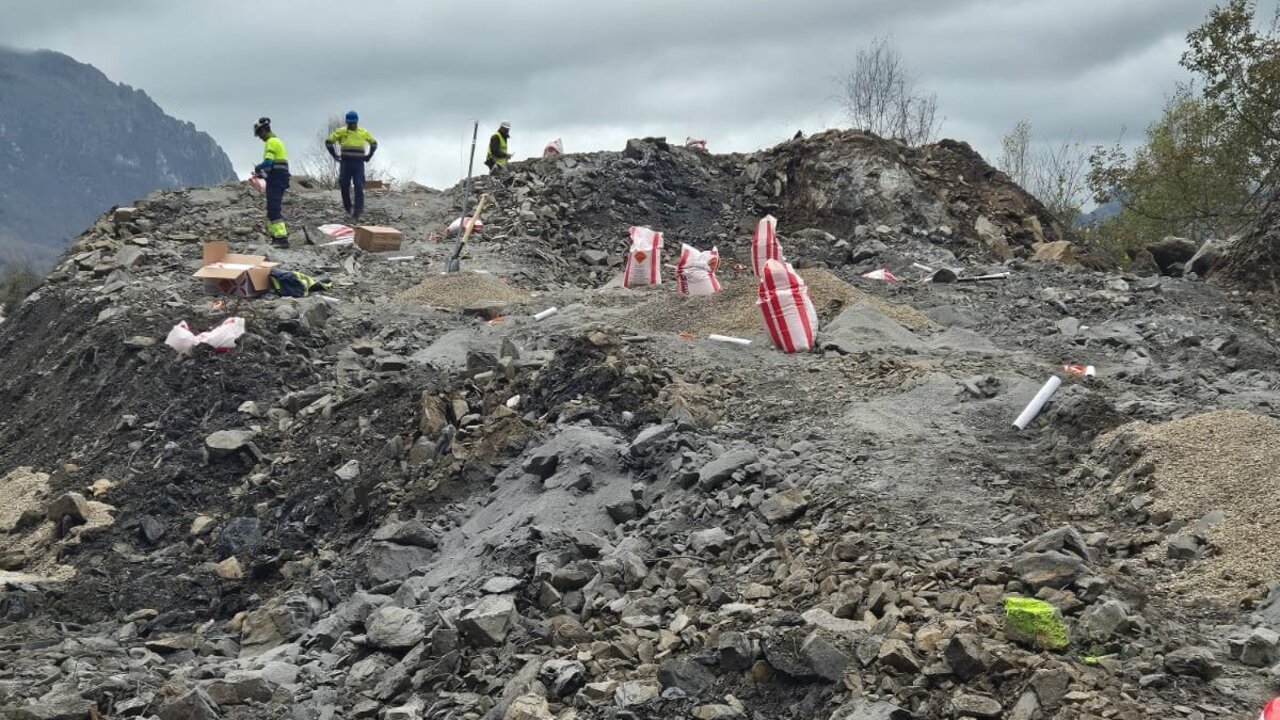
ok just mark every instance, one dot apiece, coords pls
pixel 402 502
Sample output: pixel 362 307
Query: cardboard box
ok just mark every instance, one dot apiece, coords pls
pixel 374 185
pixel 376 238
pixel 226 273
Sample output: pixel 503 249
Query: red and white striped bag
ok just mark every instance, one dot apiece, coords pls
pixel 696 271
pixel 258 183
pixel 644 259
pixel 457 225
pixel 694 143
pixel 553 148
pixel 1271 711
pixel 764 245
pixel 788 312
pixel 338 232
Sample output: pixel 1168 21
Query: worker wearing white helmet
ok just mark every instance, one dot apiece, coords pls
pixel 499 154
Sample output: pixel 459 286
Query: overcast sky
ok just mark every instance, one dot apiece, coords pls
pixel 743 74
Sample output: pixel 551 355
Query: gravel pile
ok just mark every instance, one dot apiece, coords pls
pixel 463 289
pixel 733 309
pixel 1222 461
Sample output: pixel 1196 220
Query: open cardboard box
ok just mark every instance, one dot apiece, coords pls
pixel 378 238
pixel 226 273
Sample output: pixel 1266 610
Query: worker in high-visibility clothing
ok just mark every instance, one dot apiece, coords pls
pixel 499 155
pixel 274 168
pixel 352 140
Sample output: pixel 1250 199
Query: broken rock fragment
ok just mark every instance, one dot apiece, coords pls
pixel 488 623
pixel 68 505
pixel 785 506
pixel 395 628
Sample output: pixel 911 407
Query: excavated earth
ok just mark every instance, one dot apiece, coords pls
pixel 406 498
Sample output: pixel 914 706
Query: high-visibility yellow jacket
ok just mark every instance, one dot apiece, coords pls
pixel 274 156
pixel 498 143
pixel 352 142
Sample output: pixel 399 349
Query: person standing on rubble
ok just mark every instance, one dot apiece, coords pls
pixel 274 168
pixel 499 155
pixel 352 140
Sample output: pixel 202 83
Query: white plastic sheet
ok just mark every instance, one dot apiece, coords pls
pixel 221 338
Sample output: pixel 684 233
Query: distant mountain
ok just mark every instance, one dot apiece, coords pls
pixel 73 143
pixel 1100 214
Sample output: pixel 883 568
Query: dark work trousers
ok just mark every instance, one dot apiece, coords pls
pixel 351 172
pixel 277 183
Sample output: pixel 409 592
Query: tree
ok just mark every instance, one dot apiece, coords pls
pixel 1191 176
pixel 1210 166
pixel 880 95
pixel 1015 156
pixel 1055 173
pixel 1238 61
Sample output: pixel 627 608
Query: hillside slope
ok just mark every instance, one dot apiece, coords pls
pixel 408 498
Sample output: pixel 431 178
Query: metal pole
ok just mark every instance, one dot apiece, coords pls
pixel 454 265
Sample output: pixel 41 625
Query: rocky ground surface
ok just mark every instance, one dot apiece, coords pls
pixel 406 498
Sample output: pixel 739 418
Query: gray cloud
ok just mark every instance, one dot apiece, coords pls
pixel 743 74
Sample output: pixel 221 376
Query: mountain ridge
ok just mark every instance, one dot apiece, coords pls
pixel 74 143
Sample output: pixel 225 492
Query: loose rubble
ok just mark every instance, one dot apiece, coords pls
pixel 408 499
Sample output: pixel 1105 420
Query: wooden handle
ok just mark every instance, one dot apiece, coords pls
pixel 466 232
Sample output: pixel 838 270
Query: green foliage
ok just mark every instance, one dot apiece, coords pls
pixel 16 283
pixel 1192 177
pixel 1209 166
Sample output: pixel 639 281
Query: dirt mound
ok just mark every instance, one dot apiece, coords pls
pixel 1219 462
pixel 464 290
pixel 829 192
pixel 733 310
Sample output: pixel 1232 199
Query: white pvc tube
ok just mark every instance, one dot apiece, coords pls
pixel 400 257
pixel 545 313
pixel 1033 408
pixel 728 339
pixel 1090 371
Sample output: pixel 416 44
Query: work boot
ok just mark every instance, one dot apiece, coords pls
pixel 280 242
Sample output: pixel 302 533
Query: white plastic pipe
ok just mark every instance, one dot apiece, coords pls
pixel 1033 408
pixel 728 339
pixel 1090 371
pixel 398 258
pixel 545 313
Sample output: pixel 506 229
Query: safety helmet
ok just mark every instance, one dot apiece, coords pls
pixel 263 123
pixel 352 116
pixel 506 125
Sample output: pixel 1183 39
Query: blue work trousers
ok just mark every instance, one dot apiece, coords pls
pixel 277 183
pixel 351 172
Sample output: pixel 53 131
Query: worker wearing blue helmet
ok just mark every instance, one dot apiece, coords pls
pixel 352 140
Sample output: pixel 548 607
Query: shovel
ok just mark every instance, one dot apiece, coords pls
pixel 455 261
